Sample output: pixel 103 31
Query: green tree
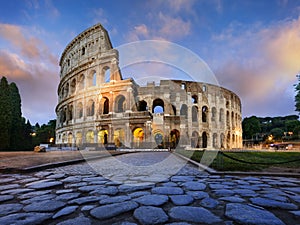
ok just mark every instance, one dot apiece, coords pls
pixel 5 114
pixel 277 133
pixel 251 126
pixel 16 129
pixel 297 96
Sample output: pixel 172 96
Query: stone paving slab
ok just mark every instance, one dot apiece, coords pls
pixel 186 196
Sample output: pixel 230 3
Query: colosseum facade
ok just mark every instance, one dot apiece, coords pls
pixel 97 107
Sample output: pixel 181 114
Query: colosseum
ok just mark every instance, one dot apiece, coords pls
pixel 97 107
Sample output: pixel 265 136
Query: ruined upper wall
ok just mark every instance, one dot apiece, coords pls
pixel 85 47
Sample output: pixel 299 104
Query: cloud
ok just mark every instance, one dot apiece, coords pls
pixel 30 64
pixel 261 65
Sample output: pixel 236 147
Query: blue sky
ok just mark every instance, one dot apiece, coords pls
pixel 253 47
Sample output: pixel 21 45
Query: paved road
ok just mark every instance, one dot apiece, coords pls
pixel 145 188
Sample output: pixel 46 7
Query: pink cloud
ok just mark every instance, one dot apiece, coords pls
pixel 261 65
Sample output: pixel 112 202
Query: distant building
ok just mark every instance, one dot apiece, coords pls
pixel 97 106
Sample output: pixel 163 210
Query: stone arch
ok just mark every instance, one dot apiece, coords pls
pixel 70 138
pixel 105 105
pixel 228 141
pixel 73 86
pixel 221 117
pixel 70 112
pixel 81 82
pixel 120 104
pixel 119 137
pixel 159 138
pixel 142 106
pixel 195 140
pixel 194 113
pixel 103 136
pixel 90 109
pixel 158 106
pixel 78 138
pixel 66 90
pixel 194 99
pixel 106 74
pixel 92 79
pixel 89 137
pixel 222 140
pixel 215 140
pixel 79 110
pixel 184 110
pixel 174 138
pixel 138 136
pixel 213 114
pixel 204 114
pixel 204 139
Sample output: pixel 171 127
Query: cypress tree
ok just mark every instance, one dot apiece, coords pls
pixel 5 114
pixel 16 130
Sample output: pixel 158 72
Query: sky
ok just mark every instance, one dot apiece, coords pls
pixel 252 46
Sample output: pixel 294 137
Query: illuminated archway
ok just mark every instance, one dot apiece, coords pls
pixel 119 137
pixel 103 137
pixel 138 136
pixel 174 138
pixel 90 137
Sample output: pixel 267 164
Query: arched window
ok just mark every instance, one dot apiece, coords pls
pixel 120 104
pixel 70 112
pixel 174 110
pixel 90 108
pixel 204 114
pixel 215 140
pixel 213 114
pixel 73 86
pixel 158 106
pixel 106 74
pixel 81 82
pixel 194 99
pixel 194 114
pixel 83 51
pixel 221 118
pixel 79 110
pixel 195 140
pixel 184 110
pixel 105 106
pixel 204 140
pixel 94 78
pixel 142 106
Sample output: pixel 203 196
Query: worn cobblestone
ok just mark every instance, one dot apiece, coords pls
pixel 77 194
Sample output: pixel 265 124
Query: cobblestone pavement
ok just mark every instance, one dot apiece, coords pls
pixel 145 188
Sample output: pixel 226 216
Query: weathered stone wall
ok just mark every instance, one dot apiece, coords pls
pixel 96 106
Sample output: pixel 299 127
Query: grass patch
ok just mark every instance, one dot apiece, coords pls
pixel 267 159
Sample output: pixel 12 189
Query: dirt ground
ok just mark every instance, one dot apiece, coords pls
pixel 25 159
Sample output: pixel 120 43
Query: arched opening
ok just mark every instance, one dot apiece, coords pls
pixel 105 105
pixel 174 138
pixel 90 108
pixel 94 78
pixel 204 140
pixel 63 138
pixel 228 119
pixel 66 90
pixel 232 120
pixel 228 141
pixel 204 114
pixel 120 104
pixel 142 106
pixel 221 118
pixel 159 139
pixel 233 140
pixel 78 140
pixel 215 140
pixel 103 136
pixel 79 110
pixel 194 99
pixel 90 137
pixel 222 140
pixel 158 106
pixel 213 114
pixel 119 137
pixel 83 51
pixel 106 74
pixel 194 114
pixel 184 110
pixel 138 136
pixel 195 140
pixel 70 138
pixel 70 112
pixel 81 82
pixel 73 86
